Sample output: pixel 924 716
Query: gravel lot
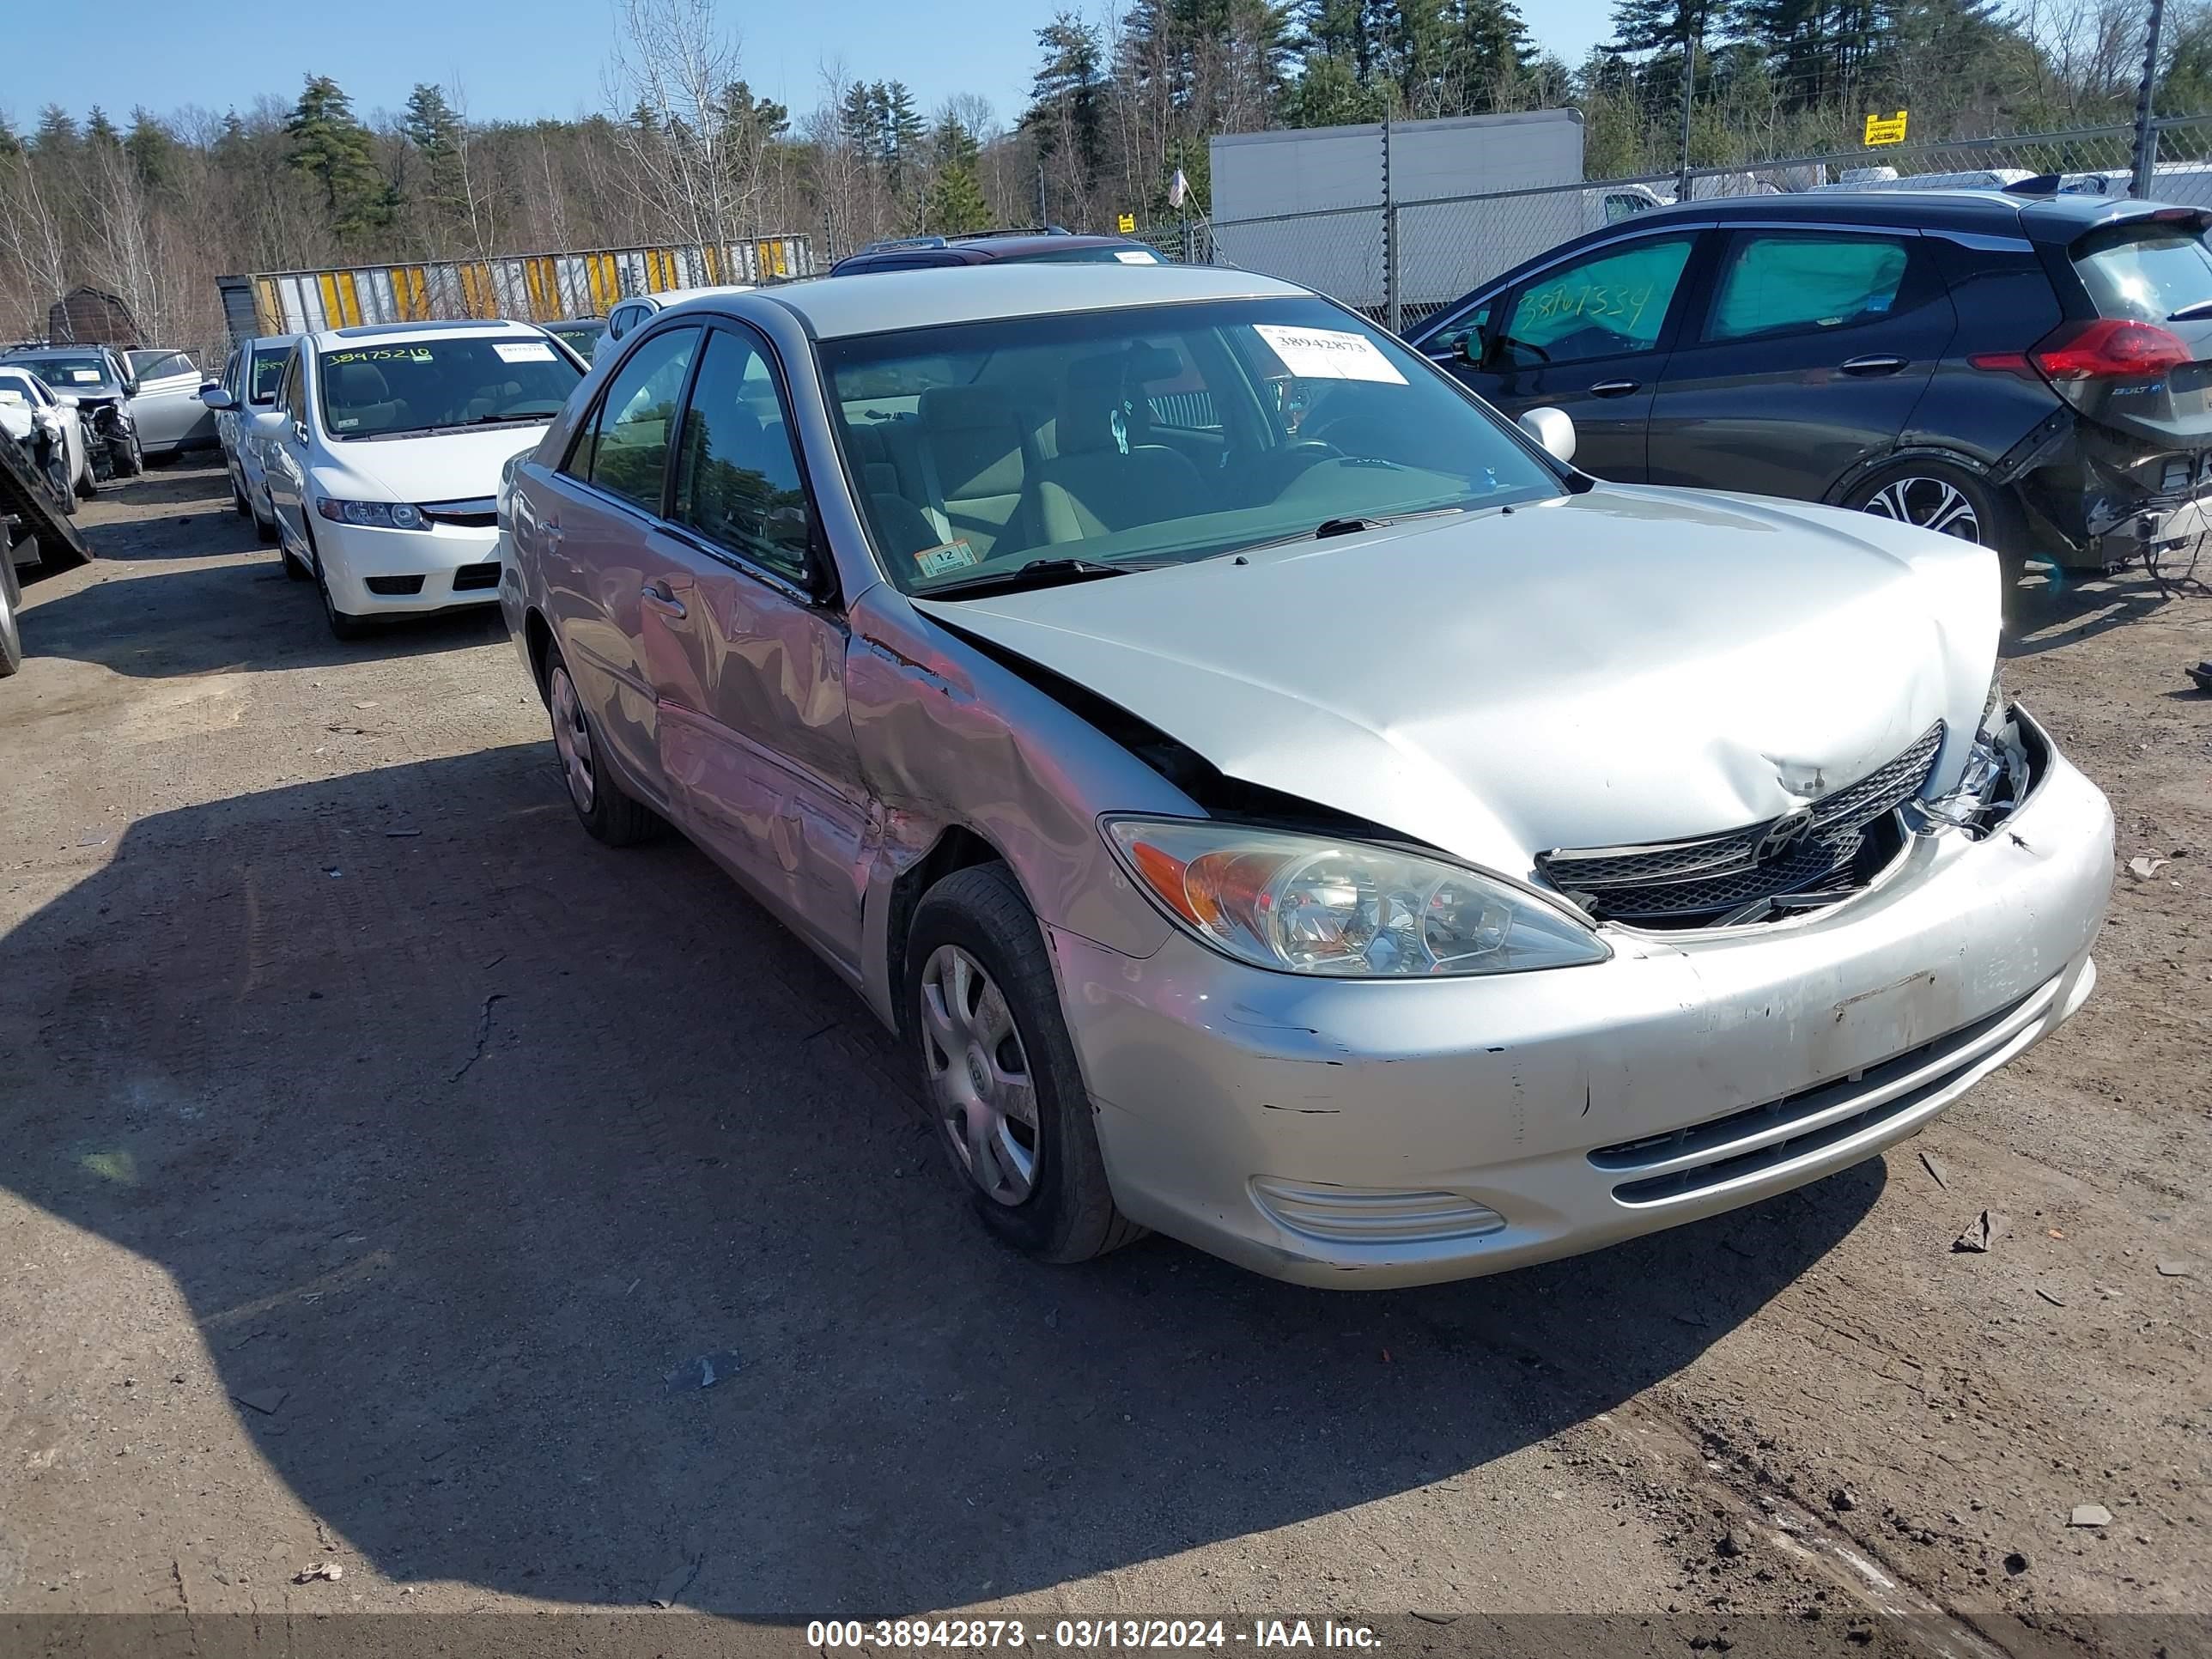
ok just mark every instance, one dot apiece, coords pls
pixel 376 1145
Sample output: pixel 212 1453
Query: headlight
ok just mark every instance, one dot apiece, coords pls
pixel 1306 905
pixel 1990 762
pixel 375 515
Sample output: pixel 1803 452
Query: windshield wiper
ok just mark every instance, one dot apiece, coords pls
pixel 1037 573
pixel 1352 526
pixel 2192 311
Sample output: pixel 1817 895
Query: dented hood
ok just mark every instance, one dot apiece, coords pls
pixel 1624 666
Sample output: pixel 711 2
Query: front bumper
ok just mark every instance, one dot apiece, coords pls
pixel 373 572
pixel 1370 1134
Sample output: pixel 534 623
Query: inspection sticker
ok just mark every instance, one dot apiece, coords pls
pixel 525 351
pixel 1327 354
pixel 946 558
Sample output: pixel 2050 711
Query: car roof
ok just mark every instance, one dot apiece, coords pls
pixel 2051 218
pixel 339 339
pixel 834 307
pixel 676 296
pixel 260 340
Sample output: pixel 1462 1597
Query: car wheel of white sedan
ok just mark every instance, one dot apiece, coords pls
pixel 999 1070
pixel 343 624
pixel 606 810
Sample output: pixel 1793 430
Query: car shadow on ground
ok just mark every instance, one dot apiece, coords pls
pixel 2054 616
pixel 461 1136
pixel 214 618
pixel 180 480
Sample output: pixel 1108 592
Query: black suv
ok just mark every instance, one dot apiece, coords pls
pixel 1051 245
pixel 2034 373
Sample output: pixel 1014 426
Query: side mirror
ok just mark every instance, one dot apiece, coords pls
pixel 68 400
pixel 271 423
pixel 1471 349
pixel 1552 429
pixel 215 396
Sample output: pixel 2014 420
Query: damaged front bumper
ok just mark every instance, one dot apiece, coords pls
pixel 1349 1133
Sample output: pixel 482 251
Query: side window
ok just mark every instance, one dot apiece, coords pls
pixel 230 376
pixel 1445 343
pixel 288 390
pixel 627 453
pixel 1805 282
pixel 1621 205
pixel 1183 400
pixel 1605 305
pixel 737 482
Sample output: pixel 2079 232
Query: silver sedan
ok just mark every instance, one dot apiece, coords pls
pixel 1277 801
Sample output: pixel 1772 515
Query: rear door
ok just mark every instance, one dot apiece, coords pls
pixel 747 654
pixel 1588 335
pixel 1804 362
pixel 593 538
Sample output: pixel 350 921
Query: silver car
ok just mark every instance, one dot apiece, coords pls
pixel 1277 801
pixel 247 388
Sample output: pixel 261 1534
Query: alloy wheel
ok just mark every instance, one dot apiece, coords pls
pixel 1931 503
pixel 572 738
pixel 979 1076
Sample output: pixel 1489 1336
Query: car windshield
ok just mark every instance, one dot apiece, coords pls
pixel 431 385
pixel 2145 272
pixel 1152 434
pixel 268 372
pixel 67 373
pixel 1089 256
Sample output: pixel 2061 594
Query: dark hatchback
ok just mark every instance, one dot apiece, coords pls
pixel 1051 247
pixel 2034 373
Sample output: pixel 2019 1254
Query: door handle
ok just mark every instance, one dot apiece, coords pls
pixel 1873 365
pixel 662 599
pixel 550 529
pixel 1615 388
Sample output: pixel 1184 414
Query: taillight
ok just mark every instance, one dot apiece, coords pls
pixel 2109 349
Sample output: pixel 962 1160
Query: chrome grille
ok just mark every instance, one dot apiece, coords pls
pixel 1706 881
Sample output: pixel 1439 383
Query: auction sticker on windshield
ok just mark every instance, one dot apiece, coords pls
pixel 524 351
pixel 946 558
pixel 1327 354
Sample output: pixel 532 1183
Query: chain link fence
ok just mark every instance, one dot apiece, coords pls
pixel 1399 261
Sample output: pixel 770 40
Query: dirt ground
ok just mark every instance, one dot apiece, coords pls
pixel 376 1147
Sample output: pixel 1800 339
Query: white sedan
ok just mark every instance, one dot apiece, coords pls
pixel 47 424
pixel 383 453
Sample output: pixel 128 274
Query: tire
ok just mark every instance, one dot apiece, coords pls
pixel 1041 1186
pixel 1952 502
pixel 239 504
pixel 264 531
pixel 130 458
pixel 86 485
pixel 11 609
pixel 344 625
pixel 608 811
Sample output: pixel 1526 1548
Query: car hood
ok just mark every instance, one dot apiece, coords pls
pixel 1619 666
pixel 449 466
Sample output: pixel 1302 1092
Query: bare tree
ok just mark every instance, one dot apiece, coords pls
pixel 672 65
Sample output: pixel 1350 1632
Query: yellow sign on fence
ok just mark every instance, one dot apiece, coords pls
pixel 1884 129
pixel 1127 224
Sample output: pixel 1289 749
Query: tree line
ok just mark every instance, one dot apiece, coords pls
pixel 153 207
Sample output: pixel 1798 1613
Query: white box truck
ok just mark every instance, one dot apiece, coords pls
pixel 1306 205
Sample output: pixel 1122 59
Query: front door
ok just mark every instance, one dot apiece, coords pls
pixel 595 537
pixel 1805 364
pixel 748 659
pixel 1590 337
pixel 284 452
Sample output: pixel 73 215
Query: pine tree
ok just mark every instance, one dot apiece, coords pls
pixel 956 199
pixel 99 130
pixel 56 133
pixel 1068 113
pixel 153 149
pixel 434 129
pixel 334 149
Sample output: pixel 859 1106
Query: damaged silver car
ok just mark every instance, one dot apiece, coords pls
pixel 1277 801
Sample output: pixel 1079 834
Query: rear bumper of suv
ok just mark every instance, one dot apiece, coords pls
pixel 2100 497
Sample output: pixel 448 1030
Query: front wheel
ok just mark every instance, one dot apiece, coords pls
pixel 343 624
pixel 999 1070
pixel 605 808
pixel 130 456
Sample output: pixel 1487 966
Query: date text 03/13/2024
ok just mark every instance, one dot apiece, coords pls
pixel 1086 1634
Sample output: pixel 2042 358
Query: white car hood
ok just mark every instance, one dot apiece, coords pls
pixel 447 467
pixel 1624 666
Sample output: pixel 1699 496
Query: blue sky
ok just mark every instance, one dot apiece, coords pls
pixel 519 61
